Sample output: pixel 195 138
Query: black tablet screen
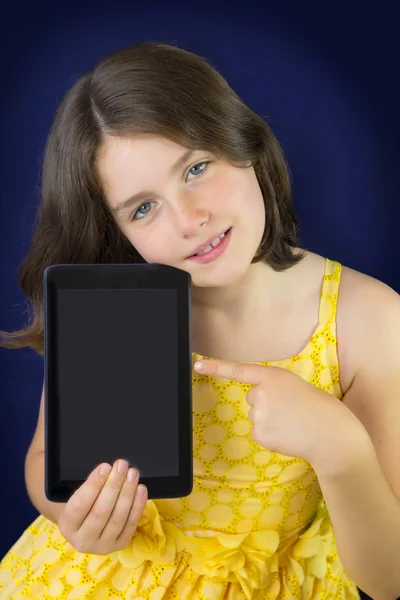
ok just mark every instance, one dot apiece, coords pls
pixel 118 385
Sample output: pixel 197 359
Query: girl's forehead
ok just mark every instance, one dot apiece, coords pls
pixel 136 154
pixel 139 143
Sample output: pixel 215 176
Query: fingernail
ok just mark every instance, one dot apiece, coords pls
pixel 199 366
pixel 122 466
pixel 132 475
pixel 105 469
pixel 141 490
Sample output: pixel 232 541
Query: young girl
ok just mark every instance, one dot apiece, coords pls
pixel 153 158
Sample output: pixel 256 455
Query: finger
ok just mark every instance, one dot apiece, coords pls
pixel 134 516
pixel 229 369
pixel 80 504
pixel 122 508
pixel 97 519
pixel 254 395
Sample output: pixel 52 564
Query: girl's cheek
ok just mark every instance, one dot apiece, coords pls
pixel 152 249
pixel 229 187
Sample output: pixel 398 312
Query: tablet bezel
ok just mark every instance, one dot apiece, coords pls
pixel 118 276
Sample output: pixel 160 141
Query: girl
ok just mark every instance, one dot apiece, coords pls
pixel 153 158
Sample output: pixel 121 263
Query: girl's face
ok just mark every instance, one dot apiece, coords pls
pixel 182 204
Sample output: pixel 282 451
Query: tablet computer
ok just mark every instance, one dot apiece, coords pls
pixel 118 369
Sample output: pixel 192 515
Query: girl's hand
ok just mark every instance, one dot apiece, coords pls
pixel 103 513
pixel 292 417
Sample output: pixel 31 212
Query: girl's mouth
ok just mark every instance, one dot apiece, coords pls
pixel 213 252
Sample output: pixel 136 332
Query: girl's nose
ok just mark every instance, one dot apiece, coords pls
pixel 190 216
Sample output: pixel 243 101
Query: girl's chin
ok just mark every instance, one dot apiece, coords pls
pixel 212 280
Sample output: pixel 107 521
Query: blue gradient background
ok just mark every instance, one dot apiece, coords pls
pixel 325 79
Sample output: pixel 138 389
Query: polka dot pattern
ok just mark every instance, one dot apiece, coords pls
pixel 236 448
pixel 225 412
pixel 240 490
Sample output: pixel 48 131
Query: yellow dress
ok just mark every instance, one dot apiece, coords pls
pixel 254 527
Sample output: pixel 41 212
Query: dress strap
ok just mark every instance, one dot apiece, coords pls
pixel 329 292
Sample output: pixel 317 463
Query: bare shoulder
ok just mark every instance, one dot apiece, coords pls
pixel 357 285
pixel 362 296
pixel 368 317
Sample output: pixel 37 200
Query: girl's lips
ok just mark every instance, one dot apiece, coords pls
pixel 215 252
pixel 208 243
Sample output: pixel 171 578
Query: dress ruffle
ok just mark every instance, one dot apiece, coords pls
pixel 245 559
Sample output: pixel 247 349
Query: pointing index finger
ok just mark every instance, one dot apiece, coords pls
pixel 234 370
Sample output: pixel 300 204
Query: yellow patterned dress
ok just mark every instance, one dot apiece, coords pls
pixel 254 527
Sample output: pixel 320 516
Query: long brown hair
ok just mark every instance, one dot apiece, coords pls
pixel 148 88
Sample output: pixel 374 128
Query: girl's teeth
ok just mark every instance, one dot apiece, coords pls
pixel 206 249
pixel 211 246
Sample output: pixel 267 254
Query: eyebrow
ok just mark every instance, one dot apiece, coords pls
pixel 121 207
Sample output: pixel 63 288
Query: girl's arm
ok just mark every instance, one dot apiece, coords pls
pixel 34 480
pixel 363 494
pixel 365 515
pixel 34 472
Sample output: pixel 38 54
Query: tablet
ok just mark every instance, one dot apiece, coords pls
pixel 118 368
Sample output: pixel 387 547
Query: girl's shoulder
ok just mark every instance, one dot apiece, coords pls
pixel 360 296
pixel 363 299
pixel 368 316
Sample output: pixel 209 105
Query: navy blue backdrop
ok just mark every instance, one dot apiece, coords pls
pixel 323 78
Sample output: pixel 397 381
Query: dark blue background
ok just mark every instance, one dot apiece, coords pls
pixel 323 75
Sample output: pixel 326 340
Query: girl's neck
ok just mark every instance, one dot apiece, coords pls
pixel 235 300
pixel 261 290
pixel 272 317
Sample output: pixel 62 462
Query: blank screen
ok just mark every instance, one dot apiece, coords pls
pixel 118 380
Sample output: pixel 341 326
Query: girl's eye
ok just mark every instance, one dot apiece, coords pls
pixel 135 215
pixel 206 163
